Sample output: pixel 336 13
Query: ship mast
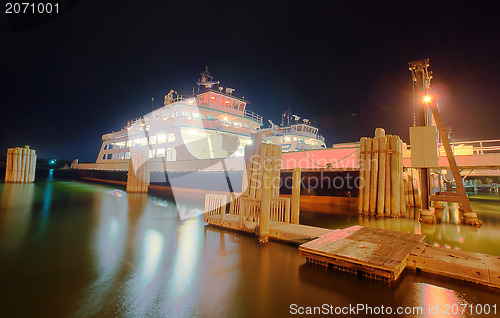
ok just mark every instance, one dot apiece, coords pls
pixel 206 80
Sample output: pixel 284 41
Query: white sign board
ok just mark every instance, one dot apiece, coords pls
pixel 423 143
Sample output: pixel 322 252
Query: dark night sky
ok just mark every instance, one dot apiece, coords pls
pixel 343 64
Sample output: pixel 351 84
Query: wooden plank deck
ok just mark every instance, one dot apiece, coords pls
pixel 376 253
pixel 463 265
pixel 371 252
pixel 291 233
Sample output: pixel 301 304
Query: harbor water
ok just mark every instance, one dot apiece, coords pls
pixel 74 249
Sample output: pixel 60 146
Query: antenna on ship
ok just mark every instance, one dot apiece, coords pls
pixel 286 117
pixel 206 80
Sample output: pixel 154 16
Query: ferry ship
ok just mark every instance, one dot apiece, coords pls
pixel 204 133
pixel 293 135
pixel 197 143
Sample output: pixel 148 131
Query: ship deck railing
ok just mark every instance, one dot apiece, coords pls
pixel 250 114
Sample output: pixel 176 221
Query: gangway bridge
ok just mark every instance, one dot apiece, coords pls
pixel 470 155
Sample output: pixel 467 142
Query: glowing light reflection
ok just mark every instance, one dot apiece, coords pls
pixel 153 251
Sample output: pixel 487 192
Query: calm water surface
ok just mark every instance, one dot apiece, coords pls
pixel 70 249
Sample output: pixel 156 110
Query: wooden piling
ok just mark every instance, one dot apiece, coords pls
pixel 24 177
pixel 265 205
pixel 257 167
pixel 374 176
pixel 8 165
pixel 276 165
pixel 19 162
pixel 381 177
pixel 406 194
pixel 400 179
pixel 387 194
pixel 411 201
pixel 33 165
pixel 138 176
pixel 395 197
pixel 362 169
pixel 295 204
pixel 366 191
pixel 245 182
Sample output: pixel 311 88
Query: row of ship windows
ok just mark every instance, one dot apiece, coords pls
pixel 153 140
pixel 170 154
pixel 197 116
pixel 301 140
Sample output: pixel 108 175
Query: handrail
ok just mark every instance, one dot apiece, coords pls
pixel 478 146
pixel 250 114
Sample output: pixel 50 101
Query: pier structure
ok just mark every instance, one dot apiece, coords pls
pixel 259 209
pixel 20 165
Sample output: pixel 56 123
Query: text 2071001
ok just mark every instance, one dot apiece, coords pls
pixel 31 8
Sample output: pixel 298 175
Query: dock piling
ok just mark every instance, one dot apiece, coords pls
pixel 20 165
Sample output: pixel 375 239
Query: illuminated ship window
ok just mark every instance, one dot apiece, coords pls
pixel 171 154
pixel 211 117
pixel 151 153
pixel 115 156
pixel 144 141
pixel 121 155
pixel 171 137
pixel 160 152
pixel 127 155
pixel 162 139
pixel 137 142
pixel 129 143
pixel 152 140
pixel 198 116
pixel 237 124
pixel 186 115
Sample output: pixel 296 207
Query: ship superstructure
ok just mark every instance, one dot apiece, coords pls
pixel 294 135
pixel 212 124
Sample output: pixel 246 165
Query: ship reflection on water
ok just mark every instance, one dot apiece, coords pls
pixel 87 250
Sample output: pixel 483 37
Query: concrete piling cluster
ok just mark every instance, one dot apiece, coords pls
pixel 20 165
pixel 381 191
pixel 138 177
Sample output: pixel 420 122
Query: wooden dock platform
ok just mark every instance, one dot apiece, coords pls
pixel 290 233
pixel 383 255
pixel 373 253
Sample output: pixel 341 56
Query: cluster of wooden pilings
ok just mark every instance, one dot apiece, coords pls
pixel 261 185
pixel 412 193
pixel 138 176
pixel 20 165
pixel 381 187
